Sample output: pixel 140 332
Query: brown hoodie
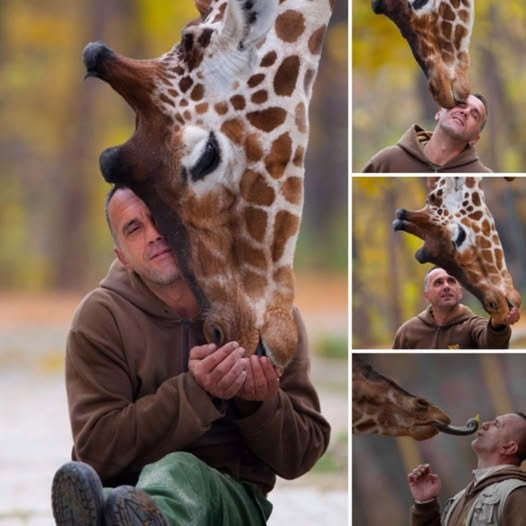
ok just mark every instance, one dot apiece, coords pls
pixel 514 514
pixel 465 331
pixel 407 156
pixel 132 400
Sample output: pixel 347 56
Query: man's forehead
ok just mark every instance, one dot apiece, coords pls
pixel 477 103
pixel 438 273
pixel 125 203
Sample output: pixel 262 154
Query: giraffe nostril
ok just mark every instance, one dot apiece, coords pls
pixel 214 333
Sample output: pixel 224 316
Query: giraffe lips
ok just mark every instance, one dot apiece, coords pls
pixel 471 426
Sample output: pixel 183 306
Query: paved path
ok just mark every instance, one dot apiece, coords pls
pixel 35 440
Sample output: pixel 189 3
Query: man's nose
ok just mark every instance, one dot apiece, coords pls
pixel 152 233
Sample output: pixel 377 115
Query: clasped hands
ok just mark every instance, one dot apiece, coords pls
pixel 225 373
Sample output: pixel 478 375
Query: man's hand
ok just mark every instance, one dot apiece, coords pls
pixel 423 484
pixel 262 381
pixel 513 317
pixel 220 372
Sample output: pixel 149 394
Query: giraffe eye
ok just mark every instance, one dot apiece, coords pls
pixel 208 161
pixel 461 236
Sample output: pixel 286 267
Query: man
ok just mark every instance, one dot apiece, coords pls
pixel 496 495
pixel 447 324
pixel 186 433
pixel 449 148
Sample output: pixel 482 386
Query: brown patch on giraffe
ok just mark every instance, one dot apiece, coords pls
pixel 254 80
pixel 259 97
pixel 183 102
pixel 251 256
pixel 476 216
pixel 253 148
pixel 284 277
pixel 316 40
pixel 178 70
pixel 255 189
pixel 238 102
pixel 254 284
pixel 464 15
pixel 476 228
pixel 187 115
pixel 255 222
pixel 221 108
pixel 476 198
pixel 267 120
pixel 286 76
pixel 185 83
pixel 495 239
pixel 166 100
pixel 204 38
pixel 202 108
pixel 446 12
pixel 268 59
pixel 460 33
pixel 179 119
pixel 220 14
pixel 280 153
pixel 173 92
pixel 293 190
pixel 486 228
pixel 210 263
pixel 455 3
pixel 285 226
pixel 299 156
pixel 499 256
pixel 198 92
pixel 446 28
pixel 484 243
pixel 487 255
pixel 234 129
pixel 470 183
pixel 308 80
pixel 290 25
pixel 301 118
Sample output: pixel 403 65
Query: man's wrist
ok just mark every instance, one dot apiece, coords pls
pixel 496 326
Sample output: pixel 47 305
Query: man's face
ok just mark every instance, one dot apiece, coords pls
pixel 139 246
pixel 501 436
pixel 443 291
pixel 464 121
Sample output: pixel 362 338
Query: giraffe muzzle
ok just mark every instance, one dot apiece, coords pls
pixel 468 429
pixel 95 54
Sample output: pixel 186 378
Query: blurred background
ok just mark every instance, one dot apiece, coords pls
pixel 390 91
pixel 387 281
pixel 56 246
pixel 462 385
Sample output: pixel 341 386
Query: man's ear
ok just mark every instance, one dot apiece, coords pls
pixel 474 141
pixel 122 258
pixel 437 114
pixel 426 296
pixel 510 448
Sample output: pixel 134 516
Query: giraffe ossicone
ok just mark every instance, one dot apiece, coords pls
pixel 460 236
pixel 439 33
pixel 218 156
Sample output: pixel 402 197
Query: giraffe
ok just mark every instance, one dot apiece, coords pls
pixel 439 33
pixel 218 156
pixel 460 236
pixel 380 406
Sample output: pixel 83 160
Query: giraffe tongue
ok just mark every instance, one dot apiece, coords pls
pixel 471 426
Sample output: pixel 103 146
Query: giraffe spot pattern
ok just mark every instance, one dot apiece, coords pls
pixel 259 97
pixel 238 102
pixel 185 84
pixel 254 284
pixel 255 189
pixel 255 80
pixel 183 102
pixel 280 153
pixel 255 222
pixel 234 129
pixel 268 59
pixel 308 80
pixel 290 25
pixel 455 3
pixel 202 108
pixel 285 226
pixel 198 92
pixel 292 190
pixel 204 37
pixel 221 108
pixel 460 33
pixel 316 40
pixel 299 156
pixel 286 76
pixel 268 119
pixel 446 12
pixel 253 148
pixel 301 118
pixel 166 100
pixel 251 256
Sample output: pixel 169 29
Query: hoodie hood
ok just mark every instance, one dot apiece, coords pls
pixel 428 318
pixel 414 139
pixel 130 286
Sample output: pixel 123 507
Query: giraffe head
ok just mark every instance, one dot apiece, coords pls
pixel 380 406
pixel 460 236
pixel 218 156
pixel 438 32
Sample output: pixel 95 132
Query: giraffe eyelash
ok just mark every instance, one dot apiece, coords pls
pixel 208 161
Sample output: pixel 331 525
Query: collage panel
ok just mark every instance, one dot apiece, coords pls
pixel 438 435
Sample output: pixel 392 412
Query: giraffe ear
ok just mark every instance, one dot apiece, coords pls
pixel 203 6
pixel 247 22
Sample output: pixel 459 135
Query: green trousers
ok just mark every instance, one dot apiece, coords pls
pixel 191 493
